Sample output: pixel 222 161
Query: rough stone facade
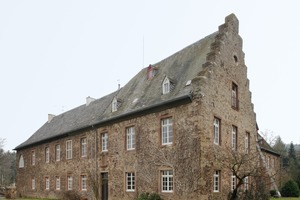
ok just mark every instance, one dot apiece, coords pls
pixel 190 156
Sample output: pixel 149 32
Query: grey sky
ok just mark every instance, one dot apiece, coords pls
pixel 53 54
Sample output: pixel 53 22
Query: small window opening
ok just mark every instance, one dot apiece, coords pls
pixel 235 59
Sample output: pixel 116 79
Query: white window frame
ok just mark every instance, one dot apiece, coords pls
pixel 234 138
pixel 247 142
pixel 217 181
pixel 167 131
pixel 57 183
pixel 69 182
pixel 21 162
pixel 166 86
pixel 33 183
pixel 233 182
pixel 47 183
pixel 246 183
pixel 47 155
pixel 130 181
pixel 33 157
pixel 114 105
pixel 104 142
pixel 217 131
pixel 69 149
pixel 83 142
pixel 57 152
pixel 130 138
pixel 234 95
pixel 83 182
pixel 167 181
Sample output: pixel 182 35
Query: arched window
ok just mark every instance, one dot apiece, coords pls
pixel 166 86
pixel 21 162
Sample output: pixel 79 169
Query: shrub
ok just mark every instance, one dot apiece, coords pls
pixel 146 196
pixel 70 195
pixel 290 189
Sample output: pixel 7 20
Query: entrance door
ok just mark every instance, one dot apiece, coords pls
pixel 104 186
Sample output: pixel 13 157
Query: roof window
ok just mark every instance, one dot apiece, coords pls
pixel 116 103
pixel 151 72
pixel 167 85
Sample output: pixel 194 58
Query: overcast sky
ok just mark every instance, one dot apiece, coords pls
pixel 53 54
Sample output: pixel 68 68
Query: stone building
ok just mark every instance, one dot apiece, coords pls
pixel 159 133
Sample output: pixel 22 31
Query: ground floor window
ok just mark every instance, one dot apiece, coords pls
pixel 167 180
pixel 33 183
pixel 69 182
pixel 130 181
pixel 83 182
pixel 217 181
pixel 57 183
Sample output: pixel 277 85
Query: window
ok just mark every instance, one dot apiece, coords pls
pixel 33 157
pixel 166 86
pixel 247 143
pixel 57 152
pixel 217 131
pixel 83 143
pixel 33 183
pixel 83 182
pixel 217 181
pixel 233 182
pixel 234 96
pixel 273 163
pixel 47 155
pixel 114 105
pixel 130 137
pixel 234 138
pixel 57 183
pixel 246 183
pixel 69 182
pixel 47 183
pixel 104 139
pixel 268 162
pixel 130 182
pixel 167 181
pixel 21 162
pixel 166 131
pixel 69 149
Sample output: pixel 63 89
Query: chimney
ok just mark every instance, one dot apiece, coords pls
pixel 50 117
pixel 89 100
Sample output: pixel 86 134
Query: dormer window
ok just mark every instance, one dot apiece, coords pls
pixel 115 104
pixel 151 72
pixel 167 85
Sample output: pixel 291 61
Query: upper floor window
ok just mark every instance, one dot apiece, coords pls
pixel 130 182
pixel 166 131
pixel 104 142
pixel 47 155
pixel 21 162
pixel 217 181
pixel 83 144
pixel 130 138
pixel 57 152
pixel 69 149
pixel 234 96
pixel 167 180
pixel 217 131
pixel 33 157
pixel 234 138
pixel 247 142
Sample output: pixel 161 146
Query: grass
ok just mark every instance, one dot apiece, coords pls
pixel 286 198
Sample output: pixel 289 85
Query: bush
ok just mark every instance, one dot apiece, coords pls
pixel 146 196
pixel 70 195
pixel 290 189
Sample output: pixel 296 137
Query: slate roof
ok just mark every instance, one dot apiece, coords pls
pixel 137 95
pixel 264 146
